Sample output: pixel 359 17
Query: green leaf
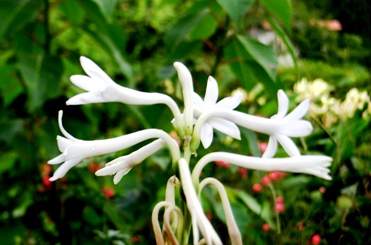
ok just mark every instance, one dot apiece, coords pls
pixel 252 141
pixel 286 40
pixel 7 161
pixel 281 9
pixel 187 28
pixel 41 74
pixel 253 62
pixel 73 11
pixel 236 9
pixel 106 7
pixel 14 15
pixel 10 87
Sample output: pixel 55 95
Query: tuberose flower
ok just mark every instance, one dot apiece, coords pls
pixel 122 165
pixel 209 103
pixel 280 127
pixel 287 143
pixel 100 88
pixel 75 150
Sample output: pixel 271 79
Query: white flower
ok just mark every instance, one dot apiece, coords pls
pixel 279 128
pixel 288 145
pixel 74 150
pixel 310 164
pixel 199 219
pixel 100 88
pixel 208 104
pixel 122 165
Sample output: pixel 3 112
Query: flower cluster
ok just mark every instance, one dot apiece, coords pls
pixel 194 125
pixel 328 108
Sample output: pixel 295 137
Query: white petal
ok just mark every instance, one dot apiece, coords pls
pixel 58 159
pixel 94 71
pixel 207 135
pixel 299 111
pixel 63 143
pixel 225 127
pixel 87 83
pixel 86 98
pixel 271 148
pixel 298 128
pixel 283 104
pixel 197 100
pixel 231 102
pixel 288 145
pixel 211 94
pixel 118 176
pixel 63 169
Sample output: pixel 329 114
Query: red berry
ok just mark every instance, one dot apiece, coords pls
pixel 223 164
pixel 257 187
pixel 266 227
pixel 273 175
pixel 262 146
pixel 108 192
pixel 242 172
pixel 316 239
pixel 280 207
pixel 265 180
pixel 279 199
pixel 322 189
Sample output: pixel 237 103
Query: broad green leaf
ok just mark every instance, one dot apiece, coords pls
pixel 248 200
pixel 236 9
pixel 106 7
pixel 14 15
pixel 73 11
pixel 262 54
pixel 205 28
pixel 10 128
pixel 253 62
pixel 111 36
pixel 181 31
pixel 286 40
pixel 10 87
pixel 41 74
pixel 281 9
pixel 252 141
pixel 7 161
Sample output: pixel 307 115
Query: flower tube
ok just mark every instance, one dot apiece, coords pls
pixel 75 150
pixel 199 219
pixel 310 164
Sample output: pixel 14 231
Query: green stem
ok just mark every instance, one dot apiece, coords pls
pixel 278 223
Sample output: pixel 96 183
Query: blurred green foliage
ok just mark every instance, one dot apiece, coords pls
pixel 136 42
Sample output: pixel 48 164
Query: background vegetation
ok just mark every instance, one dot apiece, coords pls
pixel 257 45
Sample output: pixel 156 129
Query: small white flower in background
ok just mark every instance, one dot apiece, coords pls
pixel 208 104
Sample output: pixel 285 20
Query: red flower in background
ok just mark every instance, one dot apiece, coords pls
pixel 316 239
pixel 108 192
pixel 223 164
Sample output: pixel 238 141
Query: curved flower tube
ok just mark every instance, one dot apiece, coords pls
pixel 199 220
pixel 286 142
pixel 74 150
pixel 100 88
pixel 282 128
pixel 234 232
pixel 208 104
pixel 170 208
pixel 122 165
pixel 310 164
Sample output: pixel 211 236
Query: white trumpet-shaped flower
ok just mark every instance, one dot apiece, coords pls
pixel 316 165
pixel 122 165
pixel 281 128
pixel 74 150
pixel 100 88
pixel 286 142
pixel 199 219
pixel 209 103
